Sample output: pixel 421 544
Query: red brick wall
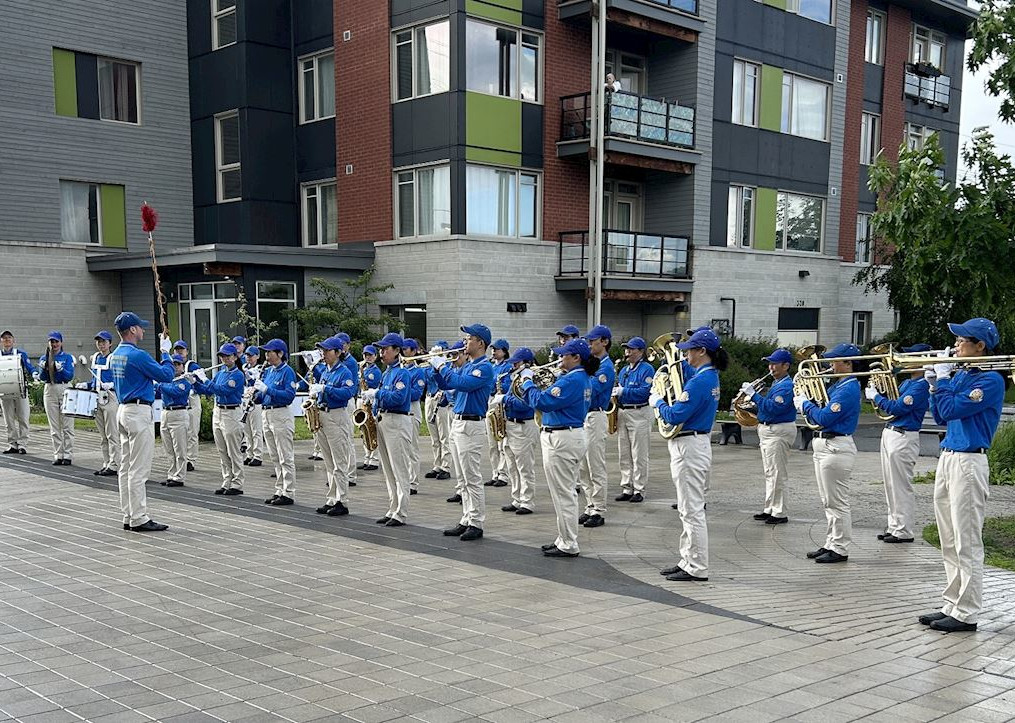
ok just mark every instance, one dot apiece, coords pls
pixel 893 108
pixel 565 180
pixel 363 121
pixel 850 188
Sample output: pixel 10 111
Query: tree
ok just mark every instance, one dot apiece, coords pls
pixel 993 40
pixel 945 253
pixel 247 325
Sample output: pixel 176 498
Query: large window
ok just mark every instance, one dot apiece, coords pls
pixel 118 90
pixel 414 318
pixel 227 156
pixel 874 47
pixel 317 87
pixel 740 217
pixel 501 202
pixel 274 298
pixel 422 60
pixel 502 61
pixel 320 214
pixel 223 23
pixel 870 138
pixel 917 135
pixel 863 238
pixel 746 77
pixel 799 221
pixel 423 201
pixel 862 327
pixel 804 107
pixel 79 213
pixel 928 47
pixel 820 10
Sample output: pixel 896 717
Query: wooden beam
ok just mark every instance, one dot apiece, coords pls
pixel 220 269
pixel 657 164
pixel 651 25
pixel 616 295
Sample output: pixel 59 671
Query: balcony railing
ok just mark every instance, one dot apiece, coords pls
pixel 627 253
pixel 688 6
pixel 628 115
pixel 927 84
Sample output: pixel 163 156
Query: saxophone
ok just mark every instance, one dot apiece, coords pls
pixel 496 420
pixel 363 417
pixel 612 416
pixel 312 413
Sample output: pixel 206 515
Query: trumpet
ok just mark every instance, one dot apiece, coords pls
pixel 746 411
pixel 423 359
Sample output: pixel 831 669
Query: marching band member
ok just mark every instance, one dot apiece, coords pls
pixel 275 391
pixel 417 389
pixel 501 369
pixel 691 449
pixel 15 408
pixel 472 384
pixel 346 357
pixel 105 411
pixel 592 473
pixel 900 449
pixel 316 368
pixel 240 343
pixel 969 403
pixel 254 428
pixel 372 377
pixel 564 406
pixel 332 395
pixel 227 388
pixel 776 433
pixel 835 452
pixel 56 369
pixel 521 438
pixel 457 362
pixel 175 426
pixel 568 333
pixel 193 406
pixel 438 418
pixel 634 384
pixel 134 374
pixel 394 428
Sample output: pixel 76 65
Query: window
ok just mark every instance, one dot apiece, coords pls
pixel 874 48
pixel 223 23
pixel 502 61
pixel 414 318
pixel 863 238
pixel 320 214
pixel 422 61
pixel 745 92
pixel 820 10
pixel 274 299
pixel 928 47
pixel 799 221
pixel 118 86
pixel 227 156
pixel 798 326
pixel 916 136
pixel 501 202
pixel 870 138
pixel 740 218
pixel 424 201
pixel 804 107
pixel 861 327
pixel 79 212
pixel 628 69
pixel 317 87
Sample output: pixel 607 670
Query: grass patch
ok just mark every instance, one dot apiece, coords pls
pixel 998 541
pixel 927 478
pixel 87 425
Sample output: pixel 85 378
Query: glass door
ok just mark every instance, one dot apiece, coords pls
pixel 202 321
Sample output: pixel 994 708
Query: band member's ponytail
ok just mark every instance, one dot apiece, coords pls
pixel 591 365
pixel 719 358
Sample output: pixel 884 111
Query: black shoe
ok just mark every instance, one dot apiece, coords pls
pixel 222 491
pixel 274 476
pixel 583 518
pixel 107 472
pixel 557 552
pixel 174 483
pixel 394 523
pixel 233 491
pixel 255 463
pixel 126 526
pixel 323 509
pixel 12 450
pixel 455 531
pixel 432 474
pixel 190 466
pixel 762 516
pixel 312 457
pixel 371 467
pixel 949 624
pixel 578 490
pixel 637 497
pixel 57 462
pixel 551 546
pixel 413 492
pixel 443 474
pixel 455 498
pixel 490 483
pixel 523 511
pixel 831 556
pixel 776 520
pixel 96 472
pixel 595 521
pixel 817 553
pixel 269 501
pixel 22 450
pixel 150 526
pixel 623 498
pixel 675 506
pixel 337 510
pixel 243 448
pixel 500 483
pixel 670 570
pixel 471 533
pixel 892 539
pixel 163 482
pixel 383 521
pixel 247 461
pixel 352 484
pixel 682 576
pixel 361 466
pixel 931 617
pixel 508 508
pixel 282 501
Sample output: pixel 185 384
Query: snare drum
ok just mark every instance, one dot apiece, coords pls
pixel 79 403
pixel 12 376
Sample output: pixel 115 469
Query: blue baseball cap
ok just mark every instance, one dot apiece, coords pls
pixel 599 332
pixel 635 342
pixel 239 340
pixel 522 354
pixel 841 350
pixel 569 330
pixel 479 330
pixel 276 345
pixel 442 343
pixel 181 344
pixel 332 342
pixel 501 344
pixel 127 319
pixel 343 337
pixel 410 343
pixel 701 339
pixel 370 349
pixel 915 348
pixel 55 336
pixel 228 348
pixel 703 327
pixel 105 335
pixel 978 328
pixel 575 346
pixel 252 351
pixel 458 345
pixel 391 339
pixel 178 359
pixel 779 356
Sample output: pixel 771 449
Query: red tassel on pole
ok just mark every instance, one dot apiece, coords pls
pixel 149 220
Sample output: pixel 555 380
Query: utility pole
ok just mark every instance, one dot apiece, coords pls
pixel 597 132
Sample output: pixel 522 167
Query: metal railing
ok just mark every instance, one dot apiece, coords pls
pixel 688 6
pixel 629 115
pixel 627 253
pixel 925 84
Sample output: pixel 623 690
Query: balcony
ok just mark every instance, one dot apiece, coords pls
pixel 633 262
pixel 671 18
pixel 926 83
pixel 639 131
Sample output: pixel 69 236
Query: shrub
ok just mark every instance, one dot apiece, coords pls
pixel 1001 455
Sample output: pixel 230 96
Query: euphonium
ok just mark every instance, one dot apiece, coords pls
pixel 744 410
pixel 612 416
pixel 668 381
pixel 542 376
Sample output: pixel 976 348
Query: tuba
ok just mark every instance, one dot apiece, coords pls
pixel 668 381
pixel 744 410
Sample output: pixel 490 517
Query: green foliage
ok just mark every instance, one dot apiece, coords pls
pixel 205 434
pixel 1001 455
pixel 998 541
pixel 247 325
pixel 927 478
pixel 993 39
pixel 35 399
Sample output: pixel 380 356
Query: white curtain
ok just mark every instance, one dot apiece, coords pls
pixel 490 201
pixel 326 84
pixel 74 223
pixel 434 201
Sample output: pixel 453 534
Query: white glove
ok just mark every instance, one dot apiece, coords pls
pixel 870 392
pixel 616 391
pixel 59 366
pixel 164 344
pixel 192 378
pixel 747 389
pixel 798 402
pixel 497 400
pixel 437 362
pixel 108 386
pixel 81 385
pixel 526 373
pixel 654 399
pixel 316 389
pixel 435 349
pixel 943 371
pixel 36 376
pixel 369 396
pixel 201 375
pixel 260 386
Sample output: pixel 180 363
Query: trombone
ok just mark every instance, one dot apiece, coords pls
pixel 423 359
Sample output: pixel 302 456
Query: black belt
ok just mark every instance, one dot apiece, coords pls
pixel 138 401
pixel 596 409
pixel 633 406
pixel 176 409
pixel 558 429
pixel 772 424
pixel 469 417
pixel 518 421
pixel 900 430
pixel 229 406
pixel 272 406
pixel 829 435
pixel 690 433
pixel 393 411
pixel 978 450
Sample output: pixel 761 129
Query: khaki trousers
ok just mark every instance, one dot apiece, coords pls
pixel 634 428
pixel 899 453
pixel 228 431
pixel 137 445
pixel 592 472
pixel 833 463
pixel 498 465
pixel 520 455
pixel 254 432
pixel 961 490
pixel 335 438
pixel 109 434
pixel 563 451
pixel 440 432
pixel 776 441
pixel 469 439
pixel 195 428
pixel 394 437
pixel 61 427
pixel 690 465
pixel 279 427
pixel 175 428
pixel 16 412
pixel 415 415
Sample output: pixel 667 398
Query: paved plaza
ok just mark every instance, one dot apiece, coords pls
pixel 247 612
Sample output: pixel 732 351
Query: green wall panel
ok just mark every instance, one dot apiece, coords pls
pixel 114 218
pixel 781 4
pixel 764 218
pixel 65 83
pixel 493 124
pixel 498 158
pixel 173 318
pixel 502 11
pixel 771 98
